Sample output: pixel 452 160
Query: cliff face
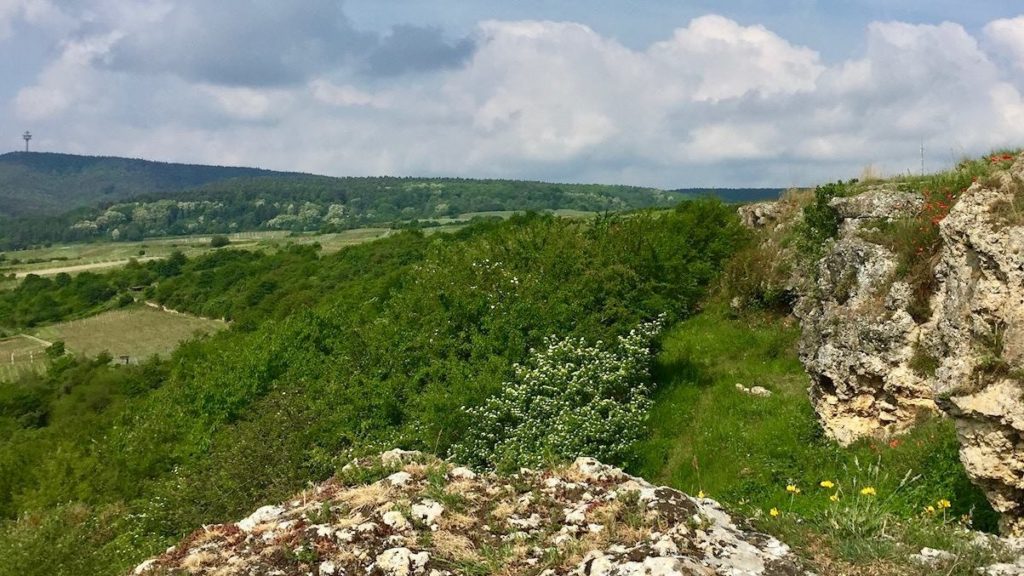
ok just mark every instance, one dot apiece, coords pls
pixel 425 517
pixel 979 330
pixel 858 336
pixel 875 370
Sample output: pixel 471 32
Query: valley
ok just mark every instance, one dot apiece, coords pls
pixel 201 379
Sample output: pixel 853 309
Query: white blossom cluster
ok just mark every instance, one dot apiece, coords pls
pixel 570 399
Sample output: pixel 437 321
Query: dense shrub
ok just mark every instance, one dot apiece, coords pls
pixel 219 241
pixel 570 399
pixel 820 220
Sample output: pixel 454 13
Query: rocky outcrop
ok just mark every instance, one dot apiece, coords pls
pixel 425 517
pixel 858 337
pixel 979 325
pixel 860 344
pixel 762 214
pixel 880 203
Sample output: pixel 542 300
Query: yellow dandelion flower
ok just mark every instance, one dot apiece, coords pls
pixel 792 489
pixel 868 491
pixel 929 509
pixel 827 484
pixel 700 494
pixel 943 504
pixel 774 512
pixel 834 497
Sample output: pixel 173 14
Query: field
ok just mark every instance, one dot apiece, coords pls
pixel 73 258
pixel 137 332
pixel 98 256
pixel 20 354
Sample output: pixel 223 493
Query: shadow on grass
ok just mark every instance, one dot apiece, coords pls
pixel 681 370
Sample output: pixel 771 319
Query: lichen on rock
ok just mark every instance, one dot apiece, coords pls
pixel 586 519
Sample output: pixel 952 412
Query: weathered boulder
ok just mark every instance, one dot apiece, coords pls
pixel 879 203
pixel 980 327
pixel 858 337
pixel 587 519
pixel 761 214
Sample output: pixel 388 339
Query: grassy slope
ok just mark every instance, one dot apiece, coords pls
pixel 748 449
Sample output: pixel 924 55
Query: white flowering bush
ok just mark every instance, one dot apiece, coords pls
pixel 570 399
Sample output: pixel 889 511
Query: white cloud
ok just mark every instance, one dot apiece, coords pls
pixel 343 95
pixel 1008 34
pixel 41 13
pixel 67 81
pixel 722 59
pixel 717 102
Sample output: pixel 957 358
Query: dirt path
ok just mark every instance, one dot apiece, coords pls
pixel 39 340
pixel 80 267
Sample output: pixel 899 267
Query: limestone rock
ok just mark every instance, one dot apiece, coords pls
pixel 402 562
pixel 758 391
pixel 980 307
pixel 881 203
pixel 932 557
pixel 760 214
pixel 858 340
pixel 620 525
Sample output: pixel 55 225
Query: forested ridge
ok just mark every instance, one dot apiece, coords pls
pixel 50 184
pixel 58 198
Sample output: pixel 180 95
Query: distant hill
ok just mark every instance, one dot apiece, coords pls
pixel 734 195
pixel 48 184
pixel 47 198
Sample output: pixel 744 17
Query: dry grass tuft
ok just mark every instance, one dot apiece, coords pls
pixel 456 522
pixel 454 546
pixel 365 498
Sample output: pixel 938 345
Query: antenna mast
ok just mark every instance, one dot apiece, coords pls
pixel 27 136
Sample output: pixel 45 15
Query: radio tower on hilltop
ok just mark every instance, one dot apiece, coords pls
pixel 27 136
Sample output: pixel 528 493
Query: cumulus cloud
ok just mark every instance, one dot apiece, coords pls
pixel 265 43
pixel 717 102
pixel 42 13
pixel 1007 34
pixel 236 42
pixel 410 48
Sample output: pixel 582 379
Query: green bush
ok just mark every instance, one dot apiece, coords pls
pixel 571 399
pixel 820 220
pixel 219 241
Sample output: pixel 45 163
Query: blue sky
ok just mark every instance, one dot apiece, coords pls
pixel 669 94
pixel 833 27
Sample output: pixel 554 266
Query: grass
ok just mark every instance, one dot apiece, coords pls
pixel 137 332
pixel 744 451
pixel 19 355
pixel 1011 212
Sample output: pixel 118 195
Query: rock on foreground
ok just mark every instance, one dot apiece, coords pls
pixel 421 516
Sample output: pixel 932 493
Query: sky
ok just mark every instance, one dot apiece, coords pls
pixel 647 92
